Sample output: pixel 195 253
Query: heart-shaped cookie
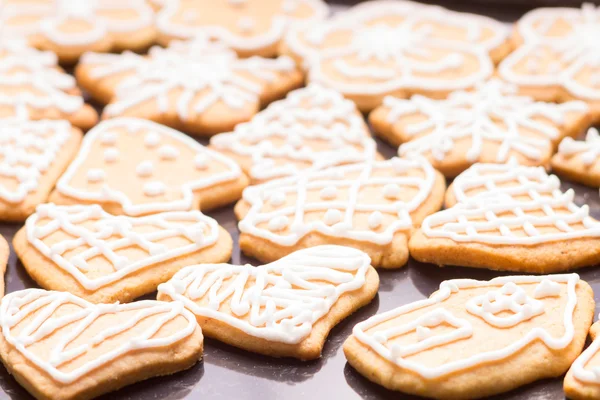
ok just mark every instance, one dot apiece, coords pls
pixel 59 346
pixel 473 339
pixel 105 258
pixel 282 309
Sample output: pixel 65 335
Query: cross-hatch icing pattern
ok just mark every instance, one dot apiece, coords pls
pixel 248 32
pixel 318 128
pixel 280 301
pixel 535 207
pixel 105 137
pixel 27 150
pixel 198 74
pixel 48 18
pixel 341 195
pixel 23 330
pixel 99 234
pixel 575 51
pixel 588 150
pixel 493 113
pixel 509 295
pixel 406 52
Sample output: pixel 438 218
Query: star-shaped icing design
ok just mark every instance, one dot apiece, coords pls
pixel 489 124
pixel 199 86
pixel 313 128
pixel 70 27
pixel 129 166
pixel 401 48
pixel 250 27
pixel 559 55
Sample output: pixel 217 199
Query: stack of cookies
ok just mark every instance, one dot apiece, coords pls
pixel 259 107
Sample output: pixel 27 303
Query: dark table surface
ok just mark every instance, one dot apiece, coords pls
pixel 229 373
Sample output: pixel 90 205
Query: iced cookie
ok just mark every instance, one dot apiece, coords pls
pixel 33 155
pixel 512 219
pixel 474 339
pixel 582 381
pixel 33 87
pixel 398 48
pixel 557 55
pixel 71 27
pixel 371 206
pixel 4 253
pixel 136 167
pixel 60 347
pixel 313 128
pixel 200 87
pixel 579 160
pixel 490 124
pixel 282 309
pixel 250 27
pixel 105 258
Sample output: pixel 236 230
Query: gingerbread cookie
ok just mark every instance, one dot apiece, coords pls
pixel 105 258
pixel 134 167
pixel 33 156
pixel 282 309
pixel 473 339
pixel 582 382
pixel 371 206
pixel 71 27
pixel 490 124
pixel 250 27
pixel 313 128
pixel 513 219
pixel 557 55
pixel 579 160
pixel 59 346
pixel 398 48
pixel 4 253
pixel 200 87
pixel 33 87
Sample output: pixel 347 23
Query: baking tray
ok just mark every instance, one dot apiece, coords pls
pixel 230 373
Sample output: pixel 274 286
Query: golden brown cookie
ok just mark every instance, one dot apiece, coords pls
pixel 4 254
pixel 581 382
pixel 474 339
pixel 34 155
pixel 371 206
pixel 579 160
pixel 398 48
pixel 490 124
pixel 557 55
pixel 200 87
pixel 69 28
pixel 60 347
pixel 105 258
pixel 134 167
pixel 510 218
pixel 250 27
pixel 282 309
pixel 312 129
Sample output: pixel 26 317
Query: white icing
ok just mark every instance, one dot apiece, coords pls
pixel 493 113
pixel 109 138
pixel 50 17
pixel 332 216
pixel 168 153
pixel 576 50
pixel 202 74
pixel 199 229
pixel 350 179
pixel 153 189
pixel 546 288
pixel 131 126
pixel 581 371
pixel 280 20
pixel 375 220
pixel 27 151
pixel 378 341
pixel 588 150
pixel 144 169
pixel 16 307
pixel 201 162
pixel 152 139
pixel 494 215
pixel 313 128
pixel 379 58
pixel 283 299
pixel 328 193
pixel 95 175
pixel 111 155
